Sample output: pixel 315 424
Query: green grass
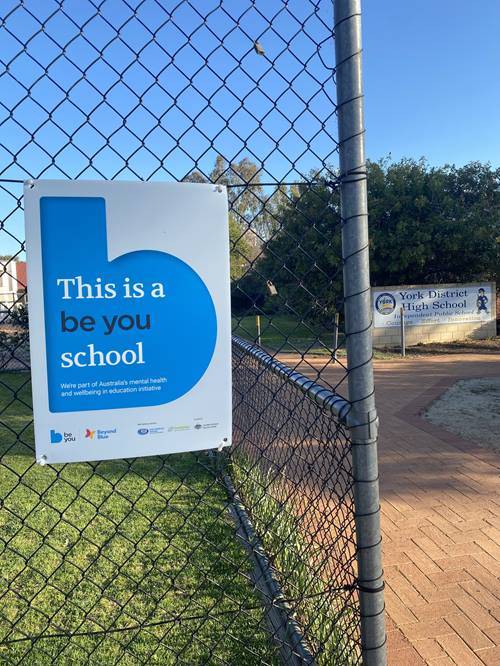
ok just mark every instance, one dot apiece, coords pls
pixel 303 568
pixel 285 334
pixel 112 545
pixel 282 333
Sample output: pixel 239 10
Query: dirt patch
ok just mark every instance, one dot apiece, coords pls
pixel 458 347
pixel 470 408
pixel 489 346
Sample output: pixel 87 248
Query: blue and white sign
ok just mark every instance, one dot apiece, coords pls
pixel 433 304
pixel 129 306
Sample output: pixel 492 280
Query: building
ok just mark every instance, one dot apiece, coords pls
pixel 12 284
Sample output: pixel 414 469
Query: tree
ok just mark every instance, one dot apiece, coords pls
pixel 303 258
pixel 252 210
pixel 19 316
pixel 427 225
pixel 433 224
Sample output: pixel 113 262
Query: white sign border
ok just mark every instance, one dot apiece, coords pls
pixel 123 198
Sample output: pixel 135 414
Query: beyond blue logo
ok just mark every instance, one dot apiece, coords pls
pixel 143 431
pixel 111 343
pixel 55 437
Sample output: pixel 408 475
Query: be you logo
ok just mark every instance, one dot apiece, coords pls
pixel 129 315
pixel 60 437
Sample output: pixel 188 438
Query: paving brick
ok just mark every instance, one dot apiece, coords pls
pixel 389 511
pixel 466 548
pixel 394 557
pixel 429 547
pixel 428 648
pixel 494 521
pixel 440 499
pixel 493 533
pixel 430 629
pixel 407 656
pixel 449 514
pixel 495 612
pixel 399 503
pixel 482 587
pixel 491 548
pixel 490 656
pixel 488 562
pixel 453 563
pixel 403 588
pixel 397 610
pixel 451 591
pixel 443 525
pixel 468 536
pixel 468 631
pixel 450 576
pixel 475 521
pixel 474 611
pixel 425 563
pixel 418 580
pixel 459 651
pixel 396 640
pixel 494 634
pixel 441 661
pixel 435 610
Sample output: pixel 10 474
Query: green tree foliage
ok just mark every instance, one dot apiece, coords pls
pixel 19 316
pixel 427 225
pixel 433 224
pixel 244 207
pixel 303 258
pixel 253 209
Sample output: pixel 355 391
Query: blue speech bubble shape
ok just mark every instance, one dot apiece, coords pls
pixel 126 350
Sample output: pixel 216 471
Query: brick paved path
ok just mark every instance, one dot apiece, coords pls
pixel 440 519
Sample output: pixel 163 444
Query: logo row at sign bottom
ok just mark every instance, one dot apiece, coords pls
pixel 92 434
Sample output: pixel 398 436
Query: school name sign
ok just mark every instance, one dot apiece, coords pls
pixel 432 305
pixel 129 306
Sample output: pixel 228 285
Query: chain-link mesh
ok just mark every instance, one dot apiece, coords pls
pixel 291 465
pixel 240 557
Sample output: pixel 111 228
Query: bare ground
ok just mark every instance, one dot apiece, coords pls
pixel 488 346
pixel 471 409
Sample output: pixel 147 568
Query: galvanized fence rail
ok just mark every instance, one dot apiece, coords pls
pixel 270 552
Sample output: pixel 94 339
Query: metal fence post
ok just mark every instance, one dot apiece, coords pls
pixel 402 331
pixel 358 320
pixel 336 336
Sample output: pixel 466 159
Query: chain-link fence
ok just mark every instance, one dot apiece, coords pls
pixel 241 557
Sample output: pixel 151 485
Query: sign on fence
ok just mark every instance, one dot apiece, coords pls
pixel 129 308
pixel 433 304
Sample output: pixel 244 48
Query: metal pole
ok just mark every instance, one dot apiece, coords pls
pixel 257 319
pixel 403 332
pixel 336 335
pixel 358 321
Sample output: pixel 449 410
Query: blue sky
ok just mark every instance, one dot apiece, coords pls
pixel 432 79
pixel 143 89
pixel 153 88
